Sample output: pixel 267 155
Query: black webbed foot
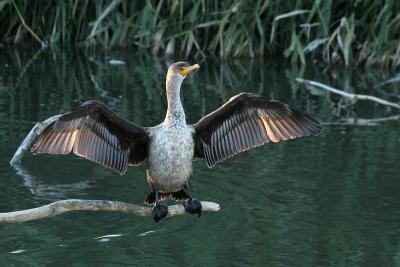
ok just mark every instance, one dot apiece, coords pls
pixel 159 211
pixel 193 206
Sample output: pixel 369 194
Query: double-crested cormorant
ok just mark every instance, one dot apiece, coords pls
pixel 96 133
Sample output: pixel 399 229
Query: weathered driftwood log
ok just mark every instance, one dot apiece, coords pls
pixel 364 122
pixel 349 95
pixel 31 138
pixel 68 205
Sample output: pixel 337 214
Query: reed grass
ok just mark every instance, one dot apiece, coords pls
pixel 346 32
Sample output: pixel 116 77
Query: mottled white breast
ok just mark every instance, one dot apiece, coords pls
pixel 171 157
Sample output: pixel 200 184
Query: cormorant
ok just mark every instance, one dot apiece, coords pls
pixel 95 132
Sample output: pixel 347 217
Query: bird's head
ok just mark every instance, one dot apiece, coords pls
pixel 179 70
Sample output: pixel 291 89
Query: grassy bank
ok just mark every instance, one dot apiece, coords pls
pixel 341 31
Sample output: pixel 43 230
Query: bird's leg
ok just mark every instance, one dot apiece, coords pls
pixel 192 205
pixel 159 211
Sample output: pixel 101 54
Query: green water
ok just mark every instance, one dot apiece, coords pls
pixel 331 200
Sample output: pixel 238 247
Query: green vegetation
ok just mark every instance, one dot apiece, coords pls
pixel 350 32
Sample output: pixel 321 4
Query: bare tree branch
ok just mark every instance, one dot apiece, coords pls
pixel 363 122
pixel 62 206
pixel 349 95
pixel 31 138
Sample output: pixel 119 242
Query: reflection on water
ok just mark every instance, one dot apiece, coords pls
pixel 44 190
pixel 330 200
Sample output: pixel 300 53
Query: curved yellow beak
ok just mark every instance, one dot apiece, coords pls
pixel 186 70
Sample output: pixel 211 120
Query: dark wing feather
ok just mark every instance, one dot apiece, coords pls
pixel 94 132
pixel 248 121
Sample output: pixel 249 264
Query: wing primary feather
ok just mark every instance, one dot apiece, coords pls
pixel 113 141
pixel 232 142
pixel 209 158
pixel 96 149
pixel 314 128
pixel 64 146
pixel 242 137
pixel 277 129
pixel 86 143
pixel 292 127
pixel 262 129
pixel 273 129
pixel 214 157
pixel 54 142
pixel 238 140
pixel 105 153
pixel 118 159
pixel 242 131
pixel 92 139
pixel 235 134
pixel 249 131
pixel 214 145
pixel 126 158
pixel 217 144
pixel 206 148
pixel 247 135
pixel 81 140
pixel 121 161
pixel 252 129
pixel 72 141
pixel 63 142
pixel 306 123
pixel 50 143
pixel 296 126
pixel 108 155
pixel 95 144
pixel 117 154
pixel 237 137
pixel 113 157
pixel 220 143
pixel 43 142
pixel 225 146
pixel 102 152
pixel 279 123
pixel 256 129
pixel 270 132
pixel 85 148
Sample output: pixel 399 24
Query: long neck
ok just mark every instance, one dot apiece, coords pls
pixel 175 113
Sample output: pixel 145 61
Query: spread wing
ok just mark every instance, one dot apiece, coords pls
pixel 94 132
pixel 248 121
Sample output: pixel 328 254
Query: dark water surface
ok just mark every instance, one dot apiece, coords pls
pixel 331 200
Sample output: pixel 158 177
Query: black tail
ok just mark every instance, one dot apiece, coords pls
pixel 179 195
